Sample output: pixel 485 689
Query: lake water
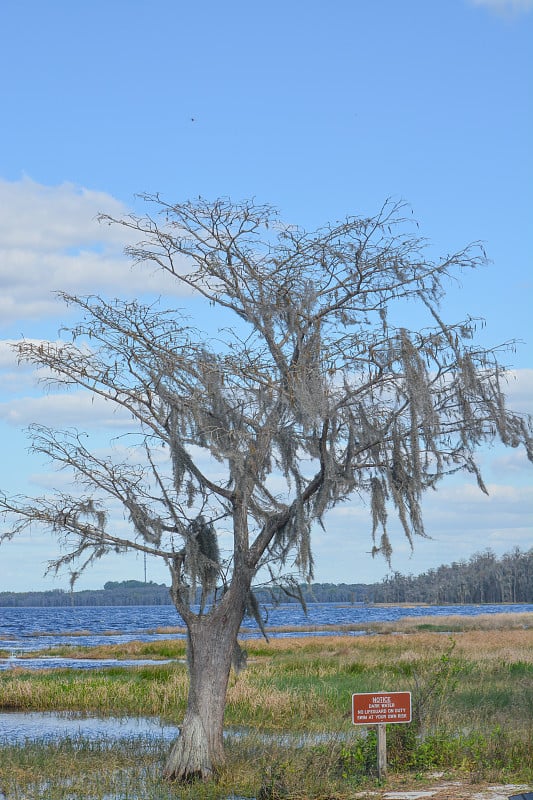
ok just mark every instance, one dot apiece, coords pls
pixel 17 727
pixel 29 630
pixel 20 726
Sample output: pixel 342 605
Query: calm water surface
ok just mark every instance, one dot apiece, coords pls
pixel 20 726
pixel 17 727
pixel 24 630
pixel 29 630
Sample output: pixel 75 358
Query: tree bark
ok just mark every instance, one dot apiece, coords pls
pixel 199 749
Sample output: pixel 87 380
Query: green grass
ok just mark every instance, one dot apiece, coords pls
pixel 336 769
pixel 472 700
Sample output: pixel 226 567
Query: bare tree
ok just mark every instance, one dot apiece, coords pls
pixel 310 396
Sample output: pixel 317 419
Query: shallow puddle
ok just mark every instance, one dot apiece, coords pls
pixel 16 727
pixel 19 726
pixel 22 729
pixel 53 662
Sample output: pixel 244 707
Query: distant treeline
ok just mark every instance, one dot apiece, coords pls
pixel 484 578
pixel 137 593
pixel 123 593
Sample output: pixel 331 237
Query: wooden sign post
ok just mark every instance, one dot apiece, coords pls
pixel 381 709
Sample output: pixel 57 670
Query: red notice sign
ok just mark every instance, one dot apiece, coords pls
pixel 377 708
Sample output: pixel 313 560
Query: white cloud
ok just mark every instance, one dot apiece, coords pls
pixel 519 390
pixel 47 218
pixel 462 501
pixel 467 499
pixel 456 515
pixel 76 409
pixel 50 240
pixel 459 519
pixel 8 354
pixel 510 462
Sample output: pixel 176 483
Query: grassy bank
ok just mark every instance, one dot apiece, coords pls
pixel 472 702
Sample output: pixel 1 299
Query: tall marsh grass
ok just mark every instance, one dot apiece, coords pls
pixel 160 691
pixel 472 700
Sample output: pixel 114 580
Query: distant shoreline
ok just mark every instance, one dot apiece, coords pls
pixel 482 580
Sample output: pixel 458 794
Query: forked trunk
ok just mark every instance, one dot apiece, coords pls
pixel 199 749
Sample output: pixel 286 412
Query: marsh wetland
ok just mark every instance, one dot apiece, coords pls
pixel 289 730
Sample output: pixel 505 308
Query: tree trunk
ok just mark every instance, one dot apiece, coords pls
pixel 199 749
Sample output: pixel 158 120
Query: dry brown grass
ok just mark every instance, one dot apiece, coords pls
pixel 457 623
pixel 509 646
pixel 133 693
pixel 489 642
pixel 288 681
pixel 452 623
pixel 127 650
pixel 303 685
pixel 168 629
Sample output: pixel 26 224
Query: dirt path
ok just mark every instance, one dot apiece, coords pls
pixel 448 790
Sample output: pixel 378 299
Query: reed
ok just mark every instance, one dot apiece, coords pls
pixel 336 768
pixel 472 695
pixel 169 648
pixel 138 691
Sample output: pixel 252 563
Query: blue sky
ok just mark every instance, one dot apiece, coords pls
pixel 322 109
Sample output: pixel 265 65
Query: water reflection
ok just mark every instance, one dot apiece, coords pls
pixel 17 727
pixel 38 628
pixel 53 662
